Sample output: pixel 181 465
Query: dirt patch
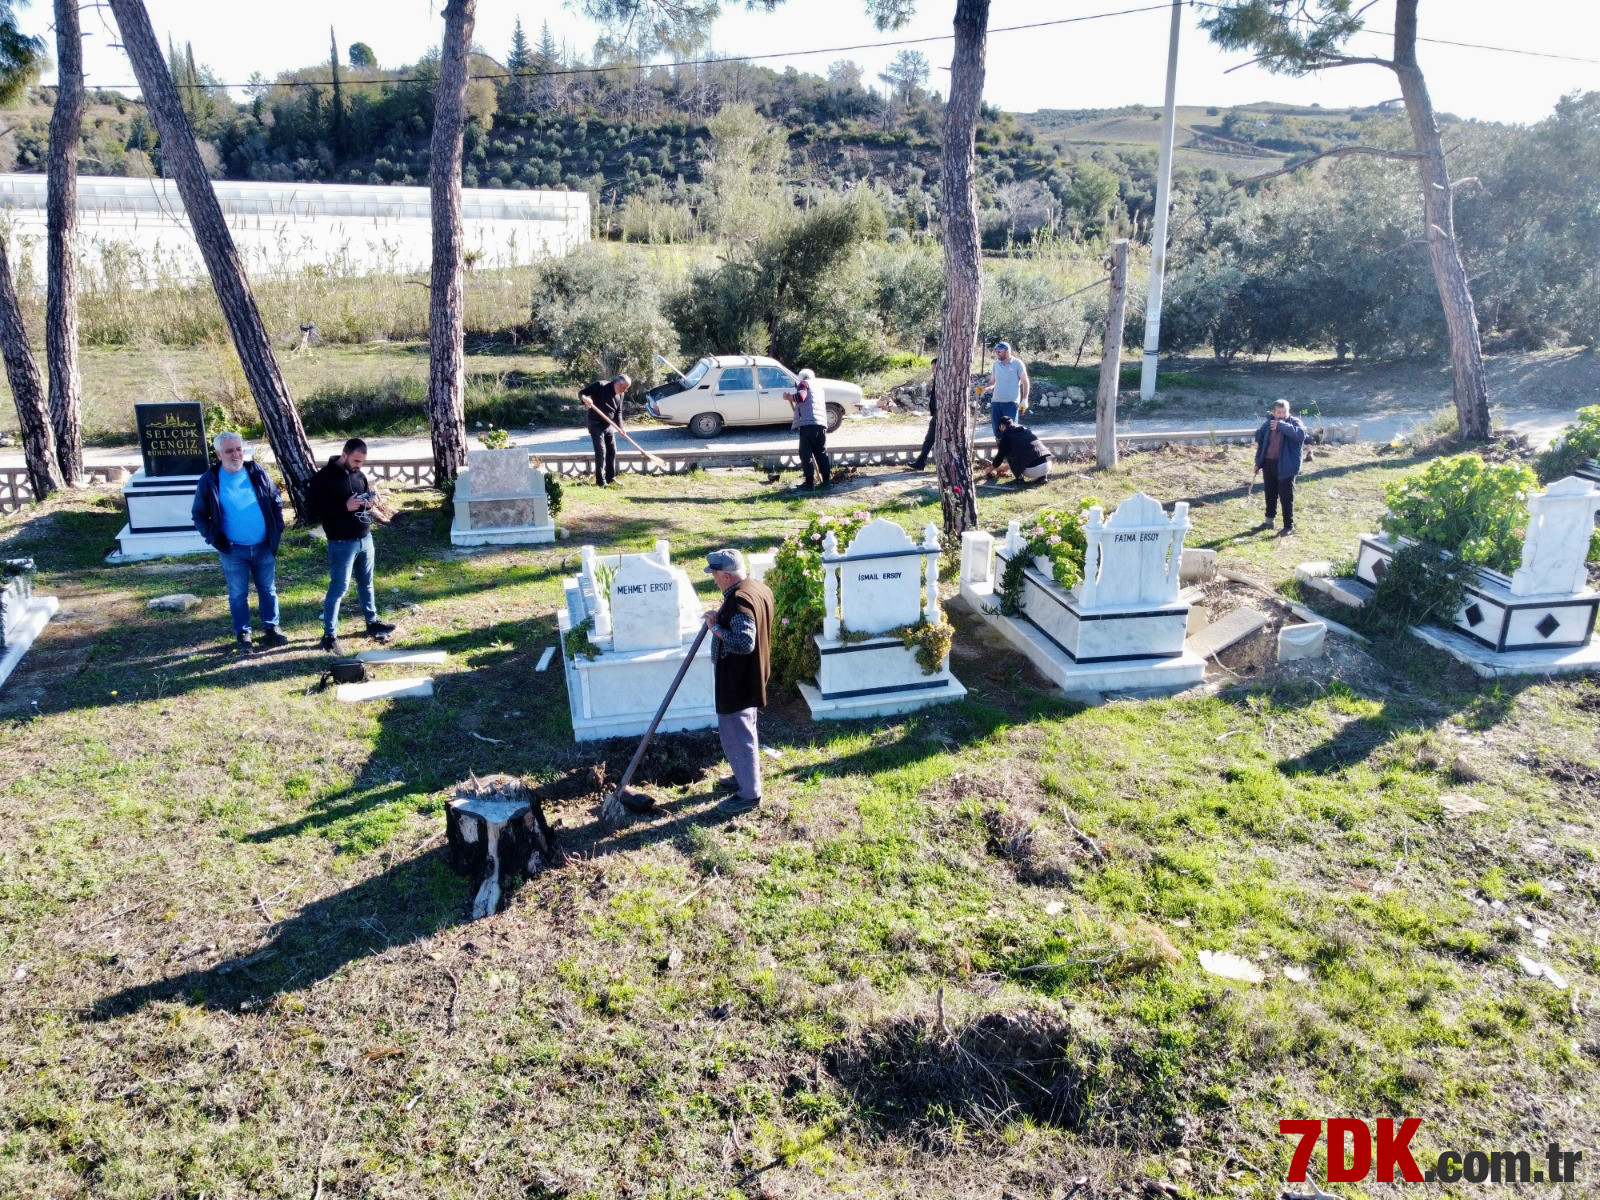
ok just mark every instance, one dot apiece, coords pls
pixel 926 1078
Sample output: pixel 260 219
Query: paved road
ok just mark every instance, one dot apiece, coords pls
pixel 1540 424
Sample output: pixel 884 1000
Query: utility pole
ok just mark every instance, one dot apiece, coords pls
pixel 1158 236
pixel 1105 404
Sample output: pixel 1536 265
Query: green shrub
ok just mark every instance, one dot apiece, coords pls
pixel 796 583
pixel 598 312
pixel 1474 510
pixel 1058 536
pixel 495 439
pixel 1577 444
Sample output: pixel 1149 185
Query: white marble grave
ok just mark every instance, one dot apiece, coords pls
pixel 23 613
pixel 500 501
pixel 642 615
pixel 1540 619
pixel 1122 628
pixel 882 581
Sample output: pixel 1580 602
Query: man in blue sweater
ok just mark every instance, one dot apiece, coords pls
pixel 237 509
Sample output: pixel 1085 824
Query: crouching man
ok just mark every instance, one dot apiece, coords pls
pixel 741 653
pixel 1020 451
pixel 237 510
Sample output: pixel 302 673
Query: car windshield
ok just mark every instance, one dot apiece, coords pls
pixel 696 373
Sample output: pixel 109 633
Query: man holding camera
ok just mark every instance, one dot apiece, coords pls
pixel 1279 445
pixel 342 498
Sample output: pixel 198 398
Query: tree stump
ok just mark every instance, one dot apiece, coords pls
pixel 497 831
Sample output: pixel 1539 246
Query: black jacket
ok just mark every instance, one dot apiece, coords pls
pixel 1021 448
pixel 605 399
pixel 207 510
pixel 331 489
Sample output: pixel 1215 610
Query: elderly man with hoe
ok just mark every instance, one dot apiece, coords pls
pixel 1008 387
pixel 811 420
pixel 603 399
pixel 741 652
pixel 237 510
pixel 1279 445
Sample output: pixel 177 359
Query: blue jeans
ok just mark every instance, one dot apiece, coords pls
pixel 344 559
pixel 241 565
pixel 998 409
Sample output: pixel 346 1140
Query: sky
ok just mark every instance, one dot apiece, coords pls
pixel 1101 63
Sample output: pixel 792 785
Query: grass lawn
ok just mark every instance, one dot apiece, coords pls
pixel 233 962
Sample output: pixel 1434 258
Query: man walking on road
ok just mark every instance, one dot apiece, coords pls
pixel 342 499
pixel 933 420
pixel 603 399
pixel 237 510
pixel 811 420
pixel 1008 387
pixel 1279 444
pixel 741 653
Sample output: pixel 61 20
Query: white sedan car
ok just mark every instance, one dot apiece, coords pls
pixel 742 389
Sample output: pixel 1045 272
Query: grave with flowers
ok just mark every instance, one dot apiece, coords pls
pixel 1480 564
pixel 1091 601
pixel 629 622
pixel 860 630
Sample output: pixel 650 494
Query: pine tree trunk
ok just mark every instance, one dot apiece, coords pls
pixel 181 159
pixel 33 414
pixel 963 271
pixel 1438 207
pixel 1105 407
pixel 61 273
pixel 447 309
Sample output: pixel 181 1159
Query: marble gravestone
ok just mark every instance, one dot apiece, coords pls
pixel 882 582
pixel 23 613
pixel 638 627
pixel 645 610
pixel 500 501
pixel 160 496
pixel 1540 619
pixel 1123 627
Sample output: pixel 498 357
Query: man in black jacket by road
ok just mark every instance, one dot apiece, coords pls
pixel 604 401
pixel 1020 450
pixel 342 500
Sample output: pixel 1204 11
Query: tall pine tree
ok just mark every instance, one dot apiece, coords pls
pixel 518 63
pixel 336 137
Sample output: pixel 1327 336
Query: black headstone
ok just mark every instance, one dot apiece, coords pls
pixel 172 438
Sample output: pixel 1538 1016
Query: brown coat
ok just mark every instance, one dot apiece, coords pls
pixel 741 679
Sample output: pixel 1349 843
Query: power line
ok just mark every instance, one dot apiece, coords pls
pixel 695 62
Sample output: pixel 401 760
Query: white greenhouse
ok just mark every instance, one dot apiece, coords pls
pixel 135 232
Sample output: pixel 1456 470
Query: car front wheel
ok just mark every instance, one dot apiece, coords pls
pixel 835 417
pixel 705 425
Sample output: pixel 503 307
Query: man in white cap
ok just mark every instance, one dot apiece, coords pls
pixel 811 421
pixel 603 399
pixel 741 655
pixel 1008 387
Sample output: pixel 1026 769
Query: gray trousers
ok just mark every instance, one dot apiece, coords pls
pixel 742 748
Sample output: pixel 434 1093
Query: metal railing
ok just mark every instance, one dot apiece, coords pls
pixel 15 490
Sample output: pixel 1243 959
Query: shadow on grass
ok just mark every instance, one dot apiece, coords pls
pixel 413 899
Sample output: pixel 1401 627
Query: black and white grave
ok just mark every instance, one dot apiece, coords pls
pixel 1122 628
pixel 160 496
pixel 642 615
pixel 880 583
pixel 1539 620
